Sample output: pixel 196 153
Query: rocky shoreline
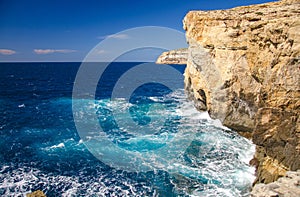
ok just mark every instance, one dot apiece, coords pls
pixel 243 67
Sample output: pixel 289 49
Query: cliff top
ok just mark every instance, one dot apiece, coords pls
pixel 284 8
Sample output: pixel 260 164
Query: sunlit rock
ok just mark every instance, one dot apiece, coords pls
pixel 243 67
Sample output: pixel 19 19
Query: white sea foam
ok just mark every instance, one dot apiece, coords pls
pixel 24 180
pixel 155 98
pixel 221 158
pixel 60 145
pixel 21 105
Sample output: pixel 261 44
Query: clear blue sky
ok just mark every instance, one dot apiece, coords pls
pixel 66 30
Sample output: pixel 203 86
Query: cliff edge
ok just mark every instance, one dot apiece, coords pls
pixel 243 67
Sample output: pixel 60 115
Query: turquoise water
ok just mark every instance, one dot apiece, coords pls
pixel 176 150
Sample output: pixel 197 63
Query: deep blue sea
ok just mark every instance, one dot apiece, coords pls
pixel 41 148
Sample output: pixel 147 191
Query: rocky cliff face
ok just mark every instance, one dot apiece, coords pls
pixel 177 56
pixel 243 67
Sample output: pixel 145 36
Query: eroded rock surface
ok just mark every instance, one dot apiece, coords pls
pixel 287 186
pixel 253 55
pixel 243 67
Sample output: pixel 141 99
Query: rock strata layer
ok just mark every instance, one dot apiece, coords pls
pixel 178 56
pixel 243 67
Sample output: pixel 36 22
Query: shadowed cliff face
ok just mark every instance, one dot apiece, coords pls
pixel 243 67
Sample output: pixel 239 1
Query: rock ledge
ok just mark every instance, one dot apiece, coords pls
pixel 288 186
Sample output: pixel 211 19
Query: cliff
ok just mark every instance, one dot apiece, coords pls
pixel 177 56
pixel 243 67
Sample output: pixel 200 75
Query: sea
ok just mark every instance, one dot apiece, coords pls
pixel 42 147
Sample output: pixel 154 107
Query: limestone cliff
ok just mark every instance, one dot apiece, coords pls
pixel 177 56
pixel 243 67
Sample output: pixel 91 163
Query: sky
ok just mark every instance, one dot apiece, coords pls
pixel 66 30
